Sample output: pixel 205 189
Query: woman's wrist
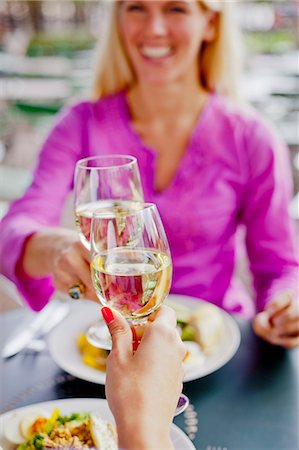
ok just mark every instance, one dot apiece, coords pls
pixel 135 440
pixel 142 436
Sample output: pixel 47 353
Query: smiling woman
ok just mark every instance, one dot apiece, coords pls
pixel 164 92
pixel 163 39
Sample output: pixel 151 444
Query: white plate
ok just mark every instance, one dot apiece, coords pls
pixel 63 348
pixel 68 406
pixel 62 341
pixel 229 344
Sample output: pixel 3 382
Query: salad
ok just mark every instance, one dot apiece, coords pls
pixel 83 431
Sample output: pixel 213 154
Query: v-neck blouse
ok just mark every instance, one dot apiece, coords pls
pixel 234 172
pixel 185 160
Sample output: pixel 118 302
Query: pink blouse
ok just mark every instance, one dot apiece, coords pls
pixel 234 171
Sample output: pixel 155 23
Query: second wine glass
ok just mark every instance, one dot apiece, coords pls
pixel 104 183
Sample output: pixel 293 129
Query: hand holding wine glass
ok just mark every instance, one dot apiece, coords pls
pixel 131 264
pixel 150 403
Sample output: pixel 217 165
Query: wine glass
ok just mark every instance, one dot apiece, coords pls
pixel 101 183
pixel 131 265
pixel 104 183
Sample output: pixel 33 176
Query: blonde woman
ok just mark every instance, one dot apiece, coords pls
pixel 164 92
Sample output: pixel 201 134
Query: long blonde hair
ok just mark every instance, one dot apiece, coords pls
pixel 219 60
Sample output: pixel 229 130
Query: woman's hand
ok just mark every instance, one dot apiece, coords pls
pixel 279 322
pixel 72 266
pixel 59 252
pixel 143 387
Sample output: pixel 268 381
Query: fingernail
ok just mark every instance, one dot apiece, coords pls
pixel 134 334
pixel 135 345
pixel 136 341
pixel 107 314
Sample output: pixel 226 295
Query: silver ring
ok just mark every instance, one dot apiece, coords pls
pixel 76 291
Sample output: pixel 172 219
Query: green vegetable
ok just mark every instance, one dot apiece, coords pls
pixel 50 424
pixel 37 441
pixel 24 446
pixel 188 333
pixel 75 416
pixel 62 419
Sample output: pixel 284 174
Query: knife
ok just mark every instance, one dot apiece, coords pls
pixel 50 316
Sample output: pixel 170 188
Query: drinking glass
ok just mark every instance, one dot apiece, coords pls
pixel 131 266
pixel 104 183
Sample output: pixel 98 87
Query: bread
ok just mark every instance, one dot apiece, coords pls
pixel 103 433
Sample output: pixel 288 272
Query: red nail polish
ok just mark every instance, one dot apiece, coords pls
pixel 134 334
pixel 136 341
pixel 107 314
pixel 136 344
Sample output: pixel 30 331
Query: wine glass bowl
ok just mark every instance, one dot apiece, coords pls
pixel 130 260
pixel 101 183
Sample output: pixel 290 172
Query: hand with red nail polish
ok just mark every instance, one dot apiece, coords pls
pixel 107 314
pixel 144 381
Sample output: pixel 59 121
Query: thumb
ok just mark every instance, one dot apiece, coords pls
pixel 261 324
pixel 119 329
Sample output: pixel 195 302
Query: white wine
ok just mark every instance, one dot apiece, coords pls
pixel 107 208
pixel 132 281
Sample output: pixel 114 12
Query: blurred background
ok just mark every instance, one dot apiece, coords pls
pixel 46 61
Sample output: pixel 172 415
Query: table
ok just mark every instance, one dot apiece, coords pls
pixel 249 404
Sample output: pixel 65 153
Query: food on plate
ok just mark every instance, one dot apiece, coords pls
pixel 204 325
pixel 18 427
pixel 201 329
pixel 92 356
pixel 194 354
pixel 32 423
pixel 82 431
pixel 207 322
pixel 103 433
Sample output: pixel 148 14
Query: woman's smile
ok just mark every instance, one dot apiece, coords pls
pixel 156 52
